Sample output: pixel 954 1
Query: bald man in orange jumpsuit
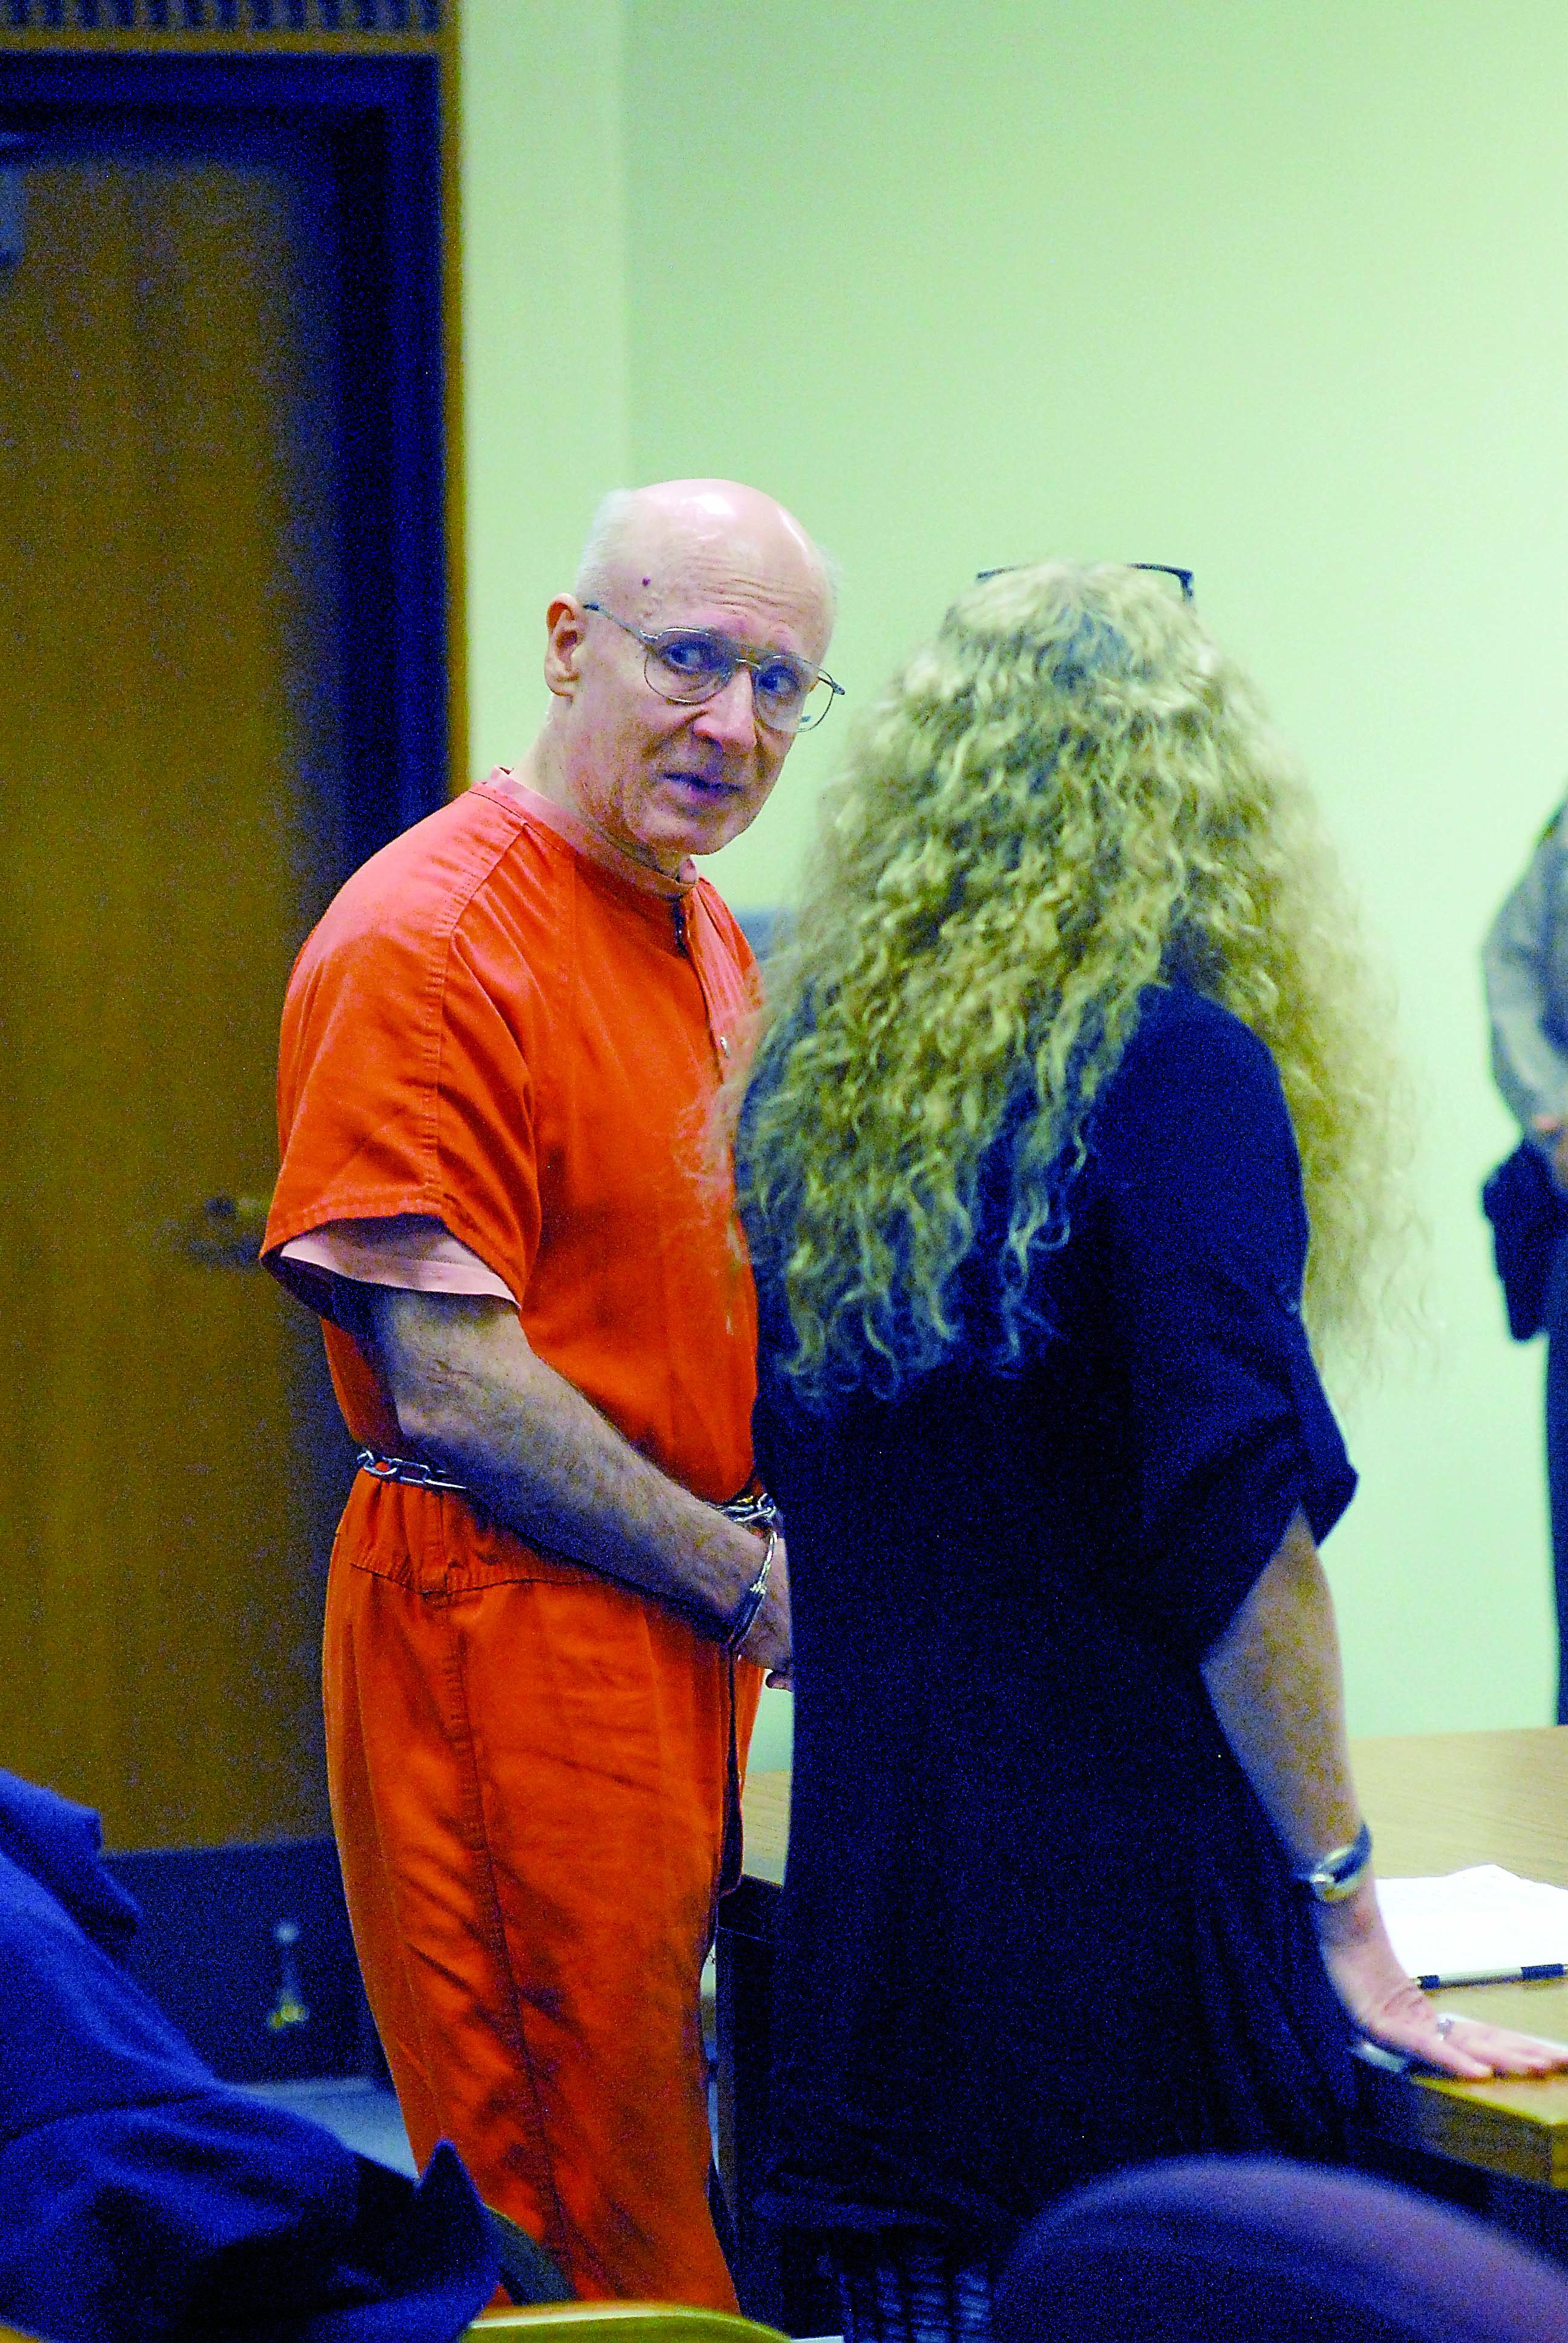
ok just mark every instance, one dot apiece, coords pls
pixel 545 1639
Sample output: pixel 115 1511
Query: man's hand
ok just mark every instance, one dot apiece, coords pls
pixel 1555 1127
pixel 769 1641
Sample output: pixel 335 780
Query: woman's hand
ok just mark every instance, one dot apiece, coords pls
pixel 1274 1680
pixel 1389 2007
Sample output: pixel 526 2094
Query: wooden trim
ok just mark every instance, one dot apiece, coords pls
pixel 228 45
pixel 407 730
pixel 400 27
pixel 1487 2126
pixel 455 431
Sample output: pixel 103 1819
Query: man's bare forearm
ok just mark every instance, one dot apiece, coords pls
pixel 472 1396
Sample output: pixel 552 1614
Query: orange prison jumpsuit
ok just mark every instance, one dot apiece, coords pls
pixel 533 1768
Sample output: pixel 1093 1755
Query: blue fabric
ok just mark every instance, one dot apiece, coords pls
pixel 139 2196
pixel 1556 1388
pixel 1239 2251
pixel 1035 1922
pixel 1528 1213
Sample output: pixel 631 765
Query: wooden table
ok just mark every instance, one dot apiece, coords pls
pixel 1439 1802
pixel 1436 1803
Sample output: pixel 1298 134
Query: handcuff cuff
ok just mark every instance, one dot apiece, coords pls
pixel 755 1510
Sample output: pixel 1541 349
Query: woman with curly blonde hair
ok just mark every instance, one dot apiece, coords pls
pixel 1071 1047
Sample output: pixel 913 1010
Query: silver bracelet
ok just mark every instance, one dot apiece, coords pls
pixel 1337 1874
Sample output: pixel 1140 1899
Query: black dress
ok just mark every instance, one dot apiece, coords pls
pixel 1035 1924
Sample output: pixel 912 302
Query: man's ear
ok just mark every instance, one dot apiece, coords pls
pixel 566 623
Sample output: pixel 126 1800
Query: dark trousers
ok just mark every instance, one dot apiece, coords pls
pixel 1556 1322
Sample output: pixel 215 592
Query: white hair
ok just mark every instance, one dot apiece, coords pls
pixel 606 532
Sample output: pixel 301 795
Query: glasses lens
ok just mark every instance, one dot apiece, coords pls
pixel 815 706
pixel 690 665
pixel 783 692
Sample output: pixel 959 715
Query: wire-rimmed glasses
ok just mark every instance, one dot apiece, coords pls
pixel 690 664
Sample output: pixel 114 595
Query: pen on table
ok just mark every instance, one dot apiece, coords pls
pixel 1528 1974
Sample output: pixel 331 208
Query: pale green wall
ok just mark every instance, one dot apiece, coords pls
pixel 1277 291
pixel 544 329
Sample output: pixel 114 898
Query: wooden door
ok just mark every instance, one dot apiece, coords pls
pixel 170 1465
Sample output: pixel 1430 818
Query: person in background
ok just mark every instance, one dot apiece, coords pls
pixel 1068 1053
pixel 554 1595
pixel 1524 962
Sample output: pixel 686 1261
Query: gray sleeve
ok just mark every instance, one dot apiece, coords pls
pixel 1520 961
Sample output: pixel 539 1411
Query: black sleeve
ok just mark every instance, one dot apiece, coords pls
pixel 1203 1236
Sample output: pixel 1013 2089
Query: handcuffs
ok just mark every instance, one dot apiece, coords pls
pixel 754 1509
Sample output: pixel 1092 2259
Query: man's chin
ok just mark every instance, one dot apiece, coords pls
pixel 704 826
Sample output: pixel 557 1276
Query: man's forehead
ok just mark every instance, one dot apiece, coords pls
pixel 732 581
pixel 668 557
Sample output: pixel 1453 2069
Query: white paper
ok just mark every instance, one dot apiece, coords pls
pixel 1475 1923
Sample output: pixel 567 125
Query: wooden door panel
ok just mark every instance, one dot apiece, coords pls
pixel 165 731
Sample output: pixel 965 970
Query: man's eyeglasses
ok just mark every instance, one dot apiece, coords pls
pixel 1183 579
pixel 687 664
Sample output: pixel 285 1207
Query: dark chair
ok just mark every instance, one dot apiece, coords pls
pixel 1217 2249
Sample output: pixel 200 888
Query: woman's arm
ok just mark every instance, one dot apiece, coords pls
pixel 1274 1680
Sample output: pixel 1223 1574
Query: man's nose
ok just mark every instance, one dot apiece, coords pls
pixel 730 716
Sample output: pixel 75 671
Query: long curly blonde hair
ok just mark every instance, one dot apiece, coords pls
pixel 1067 795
